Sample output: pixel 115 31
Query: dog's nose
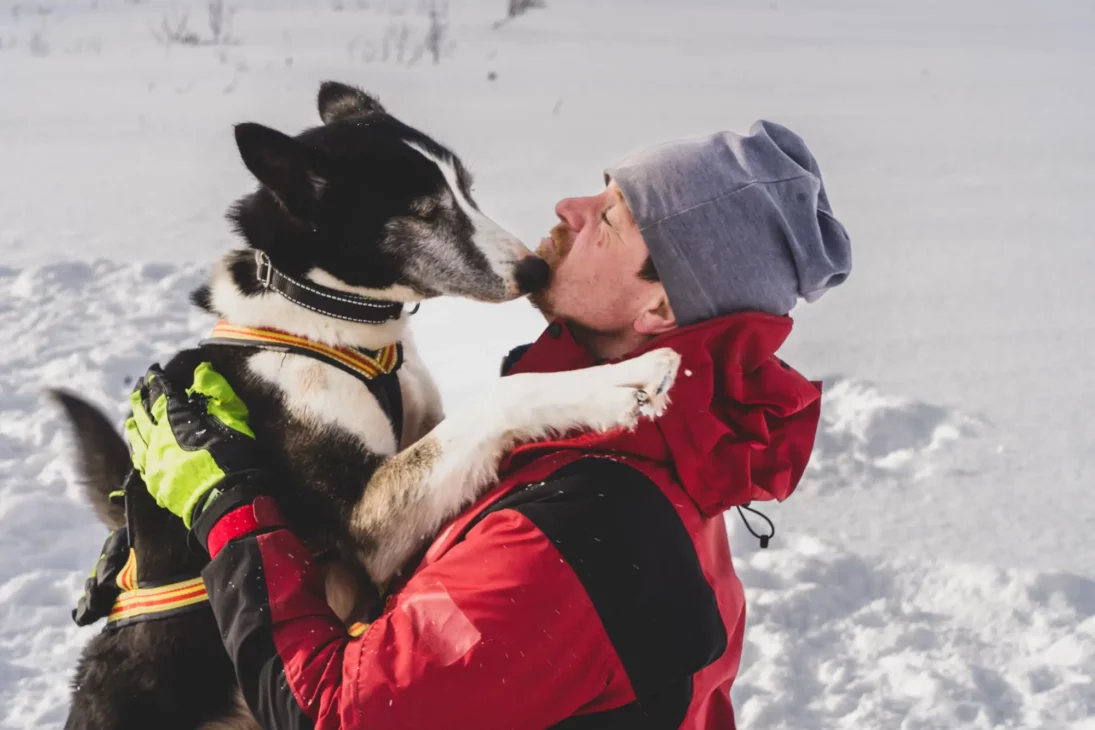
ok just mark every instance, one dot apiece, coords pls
pixel 533 274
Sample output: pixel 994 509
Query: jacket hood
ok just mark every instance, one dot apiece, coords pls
pixel 740 425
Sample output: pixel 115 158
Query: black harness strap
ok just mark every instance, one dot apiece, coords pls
pixel 388 394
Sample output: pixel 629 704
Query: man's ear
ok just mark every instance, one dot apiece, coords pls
pixel 287 168
pixel 657 316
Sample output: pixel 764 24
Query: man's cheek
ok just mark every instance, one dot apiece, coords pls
pixel 562 271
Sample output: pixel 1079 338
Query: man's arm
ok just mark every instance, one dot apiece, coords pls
pixel 499 633
pixel 582 594
pixel 577 595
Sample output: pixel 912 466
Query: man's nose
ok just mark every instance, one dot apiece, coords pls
pixel 574 212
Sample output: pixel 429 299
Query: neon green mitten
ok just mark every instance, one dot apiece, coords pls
pixel 189 445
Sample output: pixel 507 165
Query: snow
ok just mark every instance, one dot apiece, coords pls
pixel 935 569
pixel 836 639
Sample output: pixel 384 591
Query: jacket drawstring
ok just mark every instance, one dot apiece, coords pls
pixel 763 538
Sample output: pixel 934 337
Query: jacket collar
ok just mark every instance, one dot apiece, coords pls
pixel 741 422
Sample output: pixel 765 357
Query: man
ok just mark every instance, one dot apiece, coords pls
pixel 593 587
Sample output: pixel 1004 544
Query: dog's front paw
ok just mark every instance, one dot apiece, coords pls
pixel 648 378
pixel 614 396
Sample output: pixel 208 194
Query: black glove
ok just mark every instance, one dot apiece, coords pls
pixel 190 440
pixel 101 587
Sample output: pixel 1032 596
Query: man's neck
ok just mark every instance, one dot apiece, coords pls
pixel 607 345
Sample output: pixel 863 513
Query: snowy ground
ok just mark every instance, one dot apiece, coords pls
pixel 937 569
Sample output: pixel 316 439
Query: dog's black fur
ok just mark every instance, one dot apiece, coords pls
pixel 350 198
pixel 173 673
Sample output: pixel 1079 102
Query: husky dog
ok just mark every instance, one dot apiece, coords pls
pixel 352 221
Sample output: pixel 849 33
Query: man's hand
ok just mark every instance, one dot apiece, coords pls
pixel 190 446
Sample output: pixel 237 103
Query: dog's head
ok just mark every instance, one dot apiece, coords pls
pixel 367 202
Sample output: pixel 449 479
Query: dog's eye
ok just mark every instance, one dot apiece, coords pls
pixel 424 207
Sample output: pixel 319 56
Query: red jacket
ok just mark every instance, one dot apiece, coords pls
pixel 578 593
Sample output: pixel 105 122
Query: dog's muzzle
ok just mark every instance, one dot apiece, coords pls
pixel 532 274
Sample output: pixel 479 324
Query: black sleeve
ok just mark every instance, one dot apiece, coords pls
pixel 239 595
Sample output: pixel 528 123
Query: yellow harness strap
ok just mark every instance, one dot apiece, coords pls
pixel 143 604
pixel 366 365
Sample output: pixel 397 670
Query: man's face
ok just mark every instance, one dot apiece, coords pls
pixel 596 253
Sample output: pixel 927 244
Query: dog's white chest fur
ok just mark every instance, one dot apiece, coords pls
pixel 322 396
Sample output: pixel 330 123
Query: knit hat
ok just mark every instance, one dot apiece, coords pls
pixel 736 223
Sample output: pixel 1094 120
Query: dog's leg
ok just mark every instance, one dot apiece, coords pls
pixel 411 495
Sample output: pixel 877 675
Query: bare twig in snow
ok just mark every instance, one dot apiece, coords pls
pixel 406 42
pixel 38 45
pixel 515 8
pixel 436 31
pixel 220 21
pixel 175 31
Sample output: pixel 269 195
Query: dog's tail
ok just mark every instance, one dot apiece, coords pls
pixel 102 456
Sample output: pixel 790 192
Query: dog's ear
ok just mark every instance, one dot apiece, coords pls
pixel 337 101
pixel 288 168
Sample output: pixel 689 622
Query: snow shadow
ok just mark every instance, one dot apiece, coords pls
pixel 867 437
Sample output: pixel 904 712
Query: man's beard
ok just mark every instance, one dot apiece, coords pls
pixel 562 238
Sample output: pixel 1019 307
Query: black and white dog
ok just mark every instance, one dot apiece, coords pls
pixel 352 220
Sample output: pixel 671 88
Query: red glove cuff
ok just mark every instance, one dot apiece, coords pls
pixel 262 514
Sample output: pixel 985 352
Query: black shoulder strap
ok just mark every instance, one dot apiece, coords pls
pixel 629 548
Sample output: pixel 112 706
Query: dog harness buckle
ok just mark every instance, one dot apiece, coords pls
pixel 262 261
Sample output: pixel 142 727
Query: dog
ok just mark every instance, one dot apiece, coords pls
pixel 353 222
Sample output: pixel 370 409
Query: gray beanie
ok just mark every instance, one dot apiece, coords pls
pixel 736 223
